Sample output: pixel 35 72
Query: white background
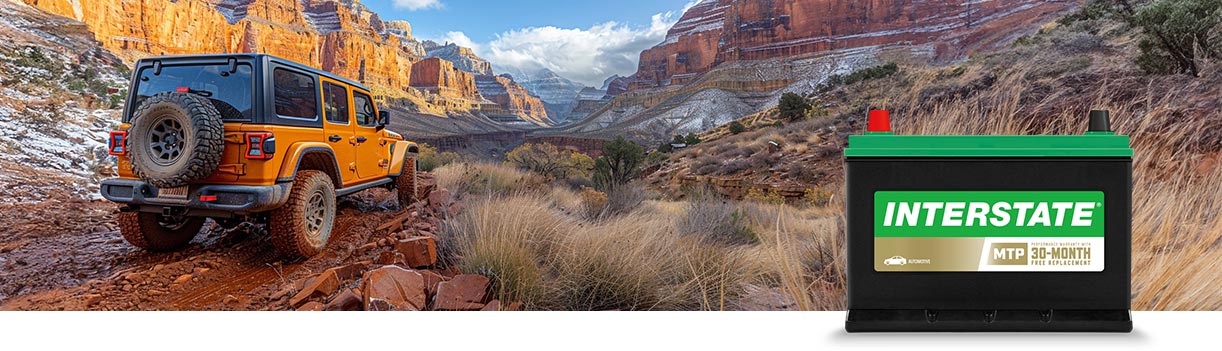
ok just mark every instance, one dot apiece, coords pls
pixel 493 331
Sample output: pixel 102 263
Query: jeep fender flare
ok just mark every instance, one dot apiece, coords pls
pixel 403 150
pixel 297 155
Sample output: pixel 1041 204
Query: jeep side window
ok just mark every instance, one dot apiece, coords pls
pixel 296 95
pixel 336 102
pixel 365 115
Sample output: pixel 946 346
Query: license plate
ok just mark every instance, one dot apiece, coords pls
pixel 173 193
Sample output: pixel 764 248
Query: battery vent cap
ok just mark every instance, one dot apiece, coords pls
pixel 879 122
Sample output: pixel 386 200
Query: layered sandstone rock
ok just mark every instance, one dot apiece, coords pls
pixel 462 57
pixel 513 98
pixel 440 77
pixel 718 31
pixel 339 36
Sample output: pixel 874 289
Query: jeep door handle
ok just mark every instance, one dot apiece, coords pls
pixel 334 138
pixel 360 140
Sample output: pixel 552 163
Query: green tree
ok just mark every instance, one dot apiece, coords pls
pixel 736 127
pixel 691 139
pixel 1176 34
pixel 792 106
pixel 620 163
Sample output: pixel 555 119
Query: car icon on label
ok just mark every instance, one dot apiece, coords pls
pixel 895 261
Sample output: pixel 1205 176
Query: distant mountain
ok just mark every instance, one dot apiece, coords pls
pixel 557 92
pixel 463 58
pixel 547 85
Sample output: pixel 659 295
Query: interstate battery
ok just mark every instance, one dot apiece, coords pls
pixel 964 233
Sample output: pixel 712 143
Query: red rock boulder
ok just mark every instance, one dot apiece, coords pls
pixel 465 292
pixel 393 288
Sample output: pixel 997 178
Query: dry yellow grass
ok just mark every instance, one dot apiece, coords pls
pixel 539 247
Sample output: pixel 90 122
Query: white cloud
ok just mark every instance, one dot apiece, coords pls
pixel 413 5
pixel 587 56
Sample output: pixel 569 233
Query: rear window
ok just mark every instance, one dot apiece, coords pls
pixel 296 95
pixel 230 93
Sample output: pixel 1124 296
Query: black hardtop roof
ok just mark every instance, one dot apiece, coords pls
pixel 275 59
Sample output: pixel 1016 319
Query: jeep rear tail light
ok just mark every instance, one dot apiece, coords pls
pixel 262 146
pixel 117 144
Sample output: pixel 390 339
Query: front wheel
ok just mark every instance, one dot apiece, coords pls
pixel 302 226
pixel 406 183
pixel 154 232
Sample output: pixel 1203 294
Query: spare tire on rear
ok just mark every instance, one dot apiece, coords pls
pixel 175 138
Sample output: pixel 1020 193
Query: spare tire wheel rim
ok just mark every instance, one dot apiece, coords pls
pixel 167 139
pixel 316 218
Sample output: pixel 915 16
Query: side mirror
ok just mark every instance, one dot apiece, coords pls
pixel 383 119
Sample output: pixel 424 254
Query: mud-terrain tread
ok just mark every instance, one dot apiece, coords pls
pixel 286 223
pixel 142 231
pixel 209 130
pixel 407 181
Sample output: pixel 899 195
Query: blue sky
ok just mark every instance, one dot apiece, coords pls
pixel 586 41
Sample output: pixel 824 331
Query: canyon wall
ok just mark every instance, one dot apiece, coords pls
pixel 343 36
pixel 440 77
pixel 719 31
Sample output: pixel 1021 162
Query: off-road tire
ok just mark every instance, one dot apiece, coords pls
pixel 299 229
pixel 406 184
pixel 145 231
pixel 202 140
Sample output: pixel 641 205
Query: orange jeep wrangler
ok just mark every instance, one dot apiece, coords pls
pixel 248 138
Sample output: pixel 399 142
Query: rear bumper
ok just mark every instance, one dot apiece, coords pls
pixel 230 199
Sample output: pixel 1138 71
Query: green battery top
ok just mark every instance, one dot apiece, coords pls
pixel 880 142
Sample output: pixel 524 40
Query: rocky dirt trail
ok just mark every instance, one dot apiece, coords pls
pixel 379 258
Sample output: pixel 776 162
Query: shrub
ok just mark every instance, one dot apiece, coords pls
pixel 792 106
pixel 817 197
pixel 593 202
pixel 1177 34
pixel 876 72
pixel 717 221
pixel 764 196
pixel 429 159
pixel 625 199
pixel 736 127
pixel 620 163
pixel 550 161
pixel 691 139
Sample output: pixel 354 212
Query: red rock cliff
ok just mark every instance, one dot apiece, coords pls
pixel 340 36
pixel 717 31
pixel 440 77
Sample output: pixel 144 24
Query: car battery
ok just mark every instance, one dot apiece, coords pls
pixel 988 233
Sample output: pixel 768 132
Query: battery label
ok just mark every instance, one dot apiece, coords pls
pixel 978 231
